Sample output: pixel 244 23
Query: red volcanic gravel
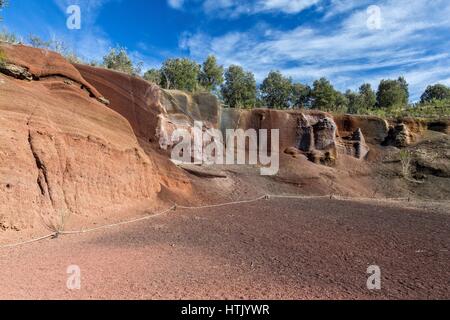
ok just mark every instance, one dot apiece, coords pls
pixel 277 249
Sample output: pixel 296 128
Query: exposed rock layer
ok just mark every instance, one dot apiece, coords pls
pixel 68 149
pixel 62 152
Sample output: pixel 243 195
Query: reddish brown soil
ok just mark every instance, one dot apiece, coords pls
pixel 277 249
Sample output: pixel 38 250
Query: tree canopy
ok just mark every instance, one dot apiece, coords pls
pixel 435 92
pixel 117 59
pixel 392 93
pixel 153 75
pixel 368 96
pixel 180 74
pixel 239 89
pixel 211 74
pixel 324 95
pixel 354 102
pixel 276 90
pixel 361 101
pixel 300 95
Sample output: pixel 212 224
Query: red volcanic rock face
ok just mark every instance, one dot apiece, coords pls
pixel 155 114
pixel 41 63
pixel 63 153
pixel 135 99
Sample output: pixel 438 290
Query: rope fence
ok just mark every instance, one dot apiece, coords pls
pixel 175 207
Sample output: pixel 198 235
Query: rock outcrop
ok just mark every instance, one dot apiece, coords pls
pixel 27 63
pixel 442 125
pixel 374 129
pixel 83 141
pixel 354 145
pixel 399 136
pixel 144 106
pixel 63 152
pixel 155 114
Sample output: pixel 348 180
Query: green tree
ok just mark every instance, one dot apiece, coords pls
pixel 239 89
pixel 153 75
pixel 341 104
pixel 276 90
pixel 405 87
pixel 324 95
pixel 368 98
pixel 435 92
pixel 354 102
pixel 117 59
pixel 211 74
pixel 392 94
pixel 300 95
pixel 180 74
pixel 2 58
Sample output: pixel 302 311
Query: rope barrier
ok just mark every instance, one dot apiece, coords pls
pixel 176 206
pixel 117 224
pixel 223 204
pixel 28 242
pixel 56 234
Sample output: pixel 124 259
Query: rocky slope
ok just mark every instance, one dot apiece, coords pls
pixel 83 142
pixel 62 151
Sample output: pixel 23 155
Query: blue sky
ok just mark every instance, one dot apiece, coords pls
pixel 305 39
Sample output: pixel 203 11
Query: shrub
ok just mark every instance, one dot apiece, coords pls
pixel 2 58
pixel 8 37
pixel 153 75
pixel 73 58
pixel 117 59
pixel 37 42
pixel 405 160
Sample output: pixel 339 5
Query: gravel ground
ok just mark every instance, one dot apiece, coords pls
pixel 272 249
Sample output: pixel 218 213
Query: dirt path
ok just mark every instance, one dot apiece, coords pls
pixel 277 249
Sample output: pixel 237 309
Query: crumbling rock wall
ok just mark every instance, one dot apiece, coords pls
pixel 63 153
pixel 441 125
pixel 27 63
pixel 374 129
pixel 155 114
pixel 312 133
pixel 135 99
pixel 79 140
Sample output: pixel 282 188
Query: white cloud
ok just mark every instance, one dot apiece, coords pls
pixel 90 42
pixel 175 4
pixel 413 40
pixel 338 7
pixel 235 8
pixel 286 6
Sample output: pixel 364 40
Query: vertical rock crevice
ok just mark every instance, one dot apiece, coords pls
pixel 42 179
